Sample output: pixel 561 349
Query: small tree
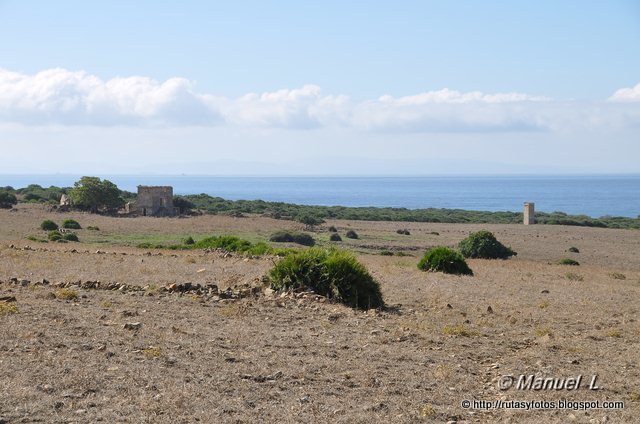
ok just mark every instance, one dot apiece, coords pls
pixel 93 194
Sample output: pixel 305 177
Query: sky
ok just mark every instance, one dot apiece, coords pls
pixel 320 88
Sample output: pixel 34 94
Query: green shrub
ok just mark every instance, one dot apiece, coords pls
pixel 386 253
pixel 572 276
pixel 574 250
pixel 444 259
pixel 484 245
pixel 309 220
pixel 7 199
pixel 335 237
pixel 71 224
pixel 70 237
pixel 333 229
pixel 292 237
pixel 48 225
pixel 351 234
pixel 333 273
pixel 54 236
pixel 228 243
pixel 404 231
pixel 93 228
pixel 568 261
pixel 189 241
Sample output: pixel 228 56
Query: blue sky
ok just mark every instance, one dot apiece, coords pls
pixel 290 87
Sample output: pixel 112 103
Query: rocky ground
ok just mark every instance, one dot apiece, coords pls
pixel 103 331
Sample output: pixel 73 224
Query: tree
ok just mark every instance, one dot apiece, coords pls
pixel 95 195
pixel 7 199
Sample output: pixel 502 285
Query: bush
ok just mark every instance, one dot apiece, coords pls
pixel 309 220
pixel 333 273
pixel 386 253
pixel 568 261
pixel 70 237
pixel 574 250
pixel 404 231
pixel 444 259
pixel 71 224
pixel 48 225
pixel 484 245
pixel 292 237
pixel 351 234
pixel 189 241
pixel 93 228
pixel 7 199
pixel 335 237
pixel 333 229
pixel 54 236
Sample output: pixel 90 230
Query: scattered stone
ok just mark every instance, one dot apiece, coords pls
pixel 545 291
pixel 449 306
pixel 132 326
pixel 489 309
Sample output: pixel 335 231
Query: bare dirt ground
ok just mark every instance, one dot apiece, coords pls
pixel 189 358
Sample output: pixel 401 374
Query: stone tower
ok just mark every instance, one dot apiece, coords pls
pixel 529 213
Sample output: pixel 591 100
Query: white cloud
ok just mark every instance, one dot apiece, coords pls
pixel 62 97
pixel 58 96
pixel 626 95
pixel 305 107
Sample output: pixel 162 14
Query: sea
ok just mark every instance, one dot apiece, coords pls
pixel 591 195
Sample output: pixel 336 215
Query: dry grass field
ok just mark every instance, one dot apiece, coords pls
pixel 148 355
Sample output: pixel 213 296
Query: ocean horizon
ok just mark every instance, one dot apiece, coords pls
pixel 591 195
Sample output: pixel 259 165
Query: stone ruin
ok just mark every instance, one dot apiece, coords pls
pixel 153 201
pixel 529 213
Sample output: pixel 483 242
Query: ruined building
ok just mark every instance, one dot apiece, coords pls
pixel 153 201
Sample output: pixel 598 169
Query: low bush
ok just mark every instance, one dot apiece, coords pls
pixel 70 237
pixel 54 236
pixel 572 276
pixel 48 225
pixel 66 294
pixel 333 229
pixel 351 234
pixel 93 228
pixel 386 253
pixel 189 241
pixel 484 245
pixel 444 259
pixel 7 199
pixel 568 261
pixel 573 250
pixel 404 231
pixel 335 237
pixel 333 273
pixel 71 224
pixel 292 237
pixel 618 276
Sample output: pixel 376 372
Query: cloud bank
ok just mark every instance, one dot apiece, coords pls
pixel 626 95
pixel 61 97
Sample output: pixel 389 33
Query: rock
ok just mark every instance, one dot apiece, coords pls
pixel 132 326
pixel 545 291
pixel 489 309
pixel 449 306
pixel 7 299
